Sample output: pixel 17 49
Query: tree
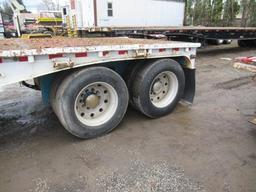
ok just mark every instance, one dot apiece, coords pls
pixel 231 9
pixel 209 12
pixel 8 10
pixel 245 12
pixel 21 2
pixel 252 13
pixel 52 5
pixel 206 12
pixel 198 12
pixel 202 12
pixel 188 19
pixel 217 9
pixel 248 13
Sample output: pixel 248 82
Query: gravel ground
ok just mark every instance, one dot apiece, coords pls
pixel 210 146
pixel 155 176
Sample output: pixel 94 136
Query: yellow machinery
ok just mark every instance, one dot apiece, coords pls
pixel 72 32
pixel 52 22
pixel 39 35
pixel 49 21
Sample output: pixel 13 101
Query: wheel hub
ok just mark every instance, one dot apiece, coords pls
pixel 92 101
pixel 164 89
pixel 96 103
pixel 157 87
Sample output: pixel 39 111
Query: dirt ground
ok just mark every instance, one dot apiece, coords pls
pixel 209 146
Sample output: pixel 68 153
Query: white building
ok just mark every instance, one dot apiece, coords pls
pixel 127 13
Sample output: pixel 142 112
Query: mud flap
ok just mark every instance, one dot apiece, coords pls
pixel 45 85
pixel 190 86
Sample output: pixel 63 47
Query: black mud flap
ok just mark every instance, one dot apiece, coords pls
pixel 190 86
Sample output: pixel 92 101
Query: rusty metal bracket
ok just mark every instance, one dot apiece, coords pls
pixel 142 53
pixel 63 64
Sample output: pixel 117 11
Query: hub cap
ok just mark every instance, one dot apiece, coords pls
pixel 96 104
pixel 164 89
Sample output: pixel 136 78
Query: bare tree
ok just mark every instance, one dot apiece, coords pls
pixel 52 5
pixel 231 10
pixel 5 8
pixel 245 12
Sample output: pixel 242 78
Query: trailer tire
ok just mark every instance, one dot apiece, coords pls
pixel 91 102
pixel 54 88
pixel 227 41
pixel 129 78
pixel 254 42
pixel 216 41
pixel 219 41
pixel 245 43
pixel 49 33
pixel 158 87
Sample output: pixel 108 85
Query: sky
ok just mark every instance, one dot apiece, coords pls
pixel 33 5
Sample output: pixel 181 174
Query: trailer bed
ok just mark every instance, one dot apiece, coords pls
pixel 23 59
pixel 182 28
pixel 41 43
pixel 184 33
pixel 44 46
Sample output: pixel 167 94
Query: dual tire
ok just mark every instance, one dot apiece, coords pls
pixel 247 43
pixel 90 102
pixel 93 101
pixel 219 41
pixel 157 87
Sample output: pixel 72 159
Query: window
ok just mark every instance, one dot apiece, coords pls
pixel 110 9
pixel 65 11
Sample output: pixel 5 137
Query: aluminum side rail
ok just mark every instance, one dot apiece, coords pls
pixel 22 64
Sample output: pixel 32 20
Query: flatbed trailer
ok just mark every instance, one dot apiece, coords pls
pixel 150 19
pixel 245 35
pixel 89 81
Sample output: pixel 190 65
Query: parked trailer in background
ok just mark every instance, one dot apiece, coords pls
pixel 122 13
pixel 88 82
pixel 246 36
pixel 147 19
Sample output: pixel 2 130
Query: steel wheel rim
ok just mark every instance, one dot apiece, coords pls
pixel 164 89
pixel 96 104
